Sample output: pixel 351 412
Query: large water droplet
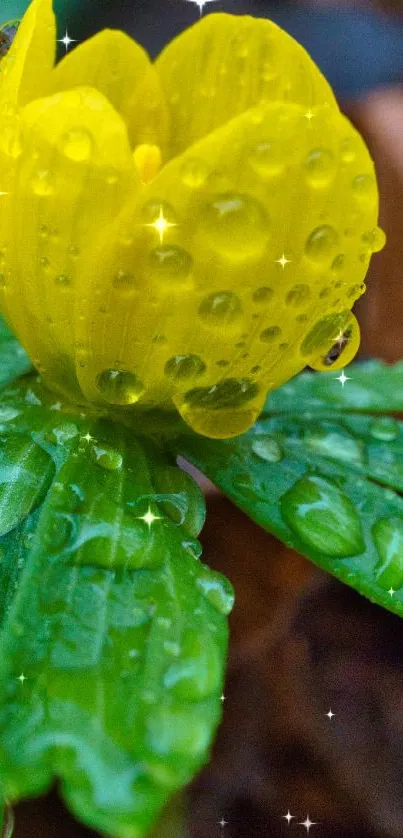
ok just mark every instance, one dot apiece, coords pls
pixel 320 167
pixel 334 443
pixel 267 448
pixel 375 239
pixel 217 589
pixel 231 392
pixel 77 145
pixel 385 428
pixel 120 387
pixel 236 225
pixel 270 334
pixel 220 309
pixel 184 367
pixel 324 333
pixel 107 457
pixel 267 159
pixel 170 265
pixel 364 188
pixel 262 295
pixel 388 537
pixel 343 350
pixel 197 674
pixel 323 517
pixel 322 244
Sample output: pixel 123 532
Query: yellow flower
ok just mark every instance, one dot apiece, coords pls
pixel 188 233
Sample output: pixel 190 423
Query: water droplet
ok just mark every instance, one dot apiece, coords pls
pixel 67 497
pixel 193 547
pixel 61 434
pixel 325 333
pixel 107 457
pixel 124 282
pixel 220 309
pixel 267 159
pixel 152 209
pixel 181 367
pixel 63 281
pixel 77 145
pixel 343 350
pixel 364 188
pixel 375 239
pixel 197 674
pixel 339 263
pixel 388 537
pixel 178 730
pixel 44 231
pixel 334 443
pixel 8 413
pixel 120 387
pixel 262 295
pixel 298 296
pixel 172 648
pixel 170 265
pixel 320 167
pixel 44 262
pixel 323 517
pixel 194 173
pixel 270 334
pixel 217 589
pixel 347 150
pixel 385 428
pixel 236 225
pixel 42 184
pixel 231 392
pixel 321 244
pixel 74 251
pixel 267 448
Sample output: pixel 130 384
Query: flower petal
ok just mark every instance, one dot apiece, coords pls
pixel 238 266
pixel 72 178
pixel 120 69
pixel 225 64
pixel 26 67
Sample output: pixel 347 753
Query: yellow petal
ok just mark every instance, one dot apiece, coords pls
pixel 72 179
pixel 238 266
pixel 120 69
pixel 26 67
pixel 225 64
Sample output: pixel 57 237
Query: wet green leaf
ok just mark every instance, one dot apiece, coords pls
pixel 114 639
pixel 373 387
pixel 323 483
pixel 13 359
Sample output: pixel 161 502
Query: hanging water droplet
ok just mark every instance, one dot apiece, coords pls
pixel 326 331
pixel 235 225
pixel 107 457
pixel 388 538
pixel 77 145
pixel 170 265
pixel 385 428
pixel 120 387
pixel 194 173
pixel 267 448
pixel 181 367
pixel 231 392
pixel 217 589
pixel 375 239
pixel 323 517
pixel 220 309
pixel 320 167
pixel 321 244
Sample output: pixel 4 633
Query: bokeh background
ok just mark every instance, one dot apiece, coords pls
pixel 301 643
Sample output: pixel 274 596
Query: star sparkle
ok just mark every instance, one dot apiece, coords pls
pixel 88 437
pixel 391 591
pixel 330 714
pixel 309 115
pixel 21 678
pixel 201 4
pixel 342 378
pixel 283 261
pixel 307 823
pixel 161 225
pixel 66 40
pixel 149 517
pixel 222 698
pixel 222 823
pixel 288 817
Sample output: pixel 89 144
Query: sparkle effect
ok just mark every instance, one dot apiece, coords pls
pixel 342 378
pixel 309 115
pixel 161 225
pixel 149 517
pixel 66 40
pixel 330 714
pixel 283 261
pixel 21 678
pixel 307 823
pixel 222 823
pixel 391 591
pixel 201 4
pixel 288 817
pixel 88 437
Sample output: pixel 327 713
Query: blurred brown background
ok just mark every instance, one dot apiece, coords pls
pixel 301 643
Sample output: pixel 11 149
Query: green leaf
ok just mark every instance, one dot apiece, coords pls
pixel 324 485
pixel 373 387
pixel 13 359
pixel 114 641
